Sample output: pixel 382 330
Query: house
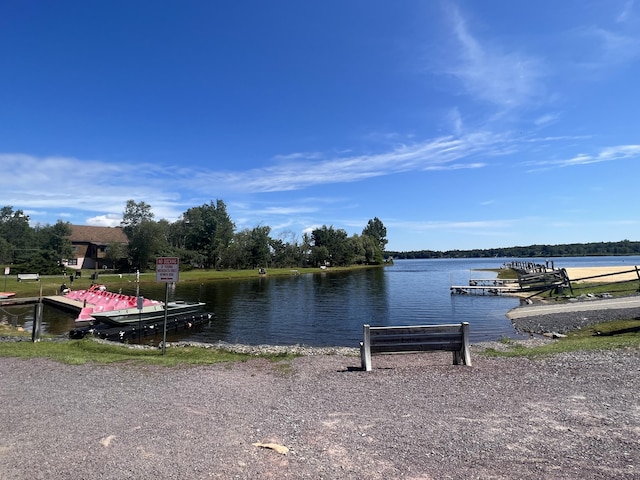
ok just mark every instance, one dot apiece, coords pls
pixel 90 245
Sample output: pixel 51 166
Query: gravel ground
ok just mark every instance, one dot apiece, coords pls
pixel 568 416
pixel 576 315
pixel 413 417
pixel 565 322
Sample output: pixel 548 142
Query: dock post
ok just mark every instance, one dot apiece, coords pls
pixel 37 322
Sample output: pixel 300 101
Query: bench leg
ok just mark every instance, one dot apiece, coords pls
pixel 466 351
pixel 457 358
pixel 365 349
pixel 365 358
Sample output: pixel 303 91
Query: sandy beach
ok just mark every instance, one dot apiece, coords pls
pixel 616 274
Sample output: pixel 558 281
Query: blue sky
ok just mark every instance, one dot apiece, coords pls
pixel 460 124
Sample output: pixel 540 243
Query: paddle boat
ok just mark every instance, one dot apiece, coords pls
pixel 99 304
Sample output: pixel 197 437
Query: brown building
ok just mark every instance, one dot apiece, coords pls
pixel 90 245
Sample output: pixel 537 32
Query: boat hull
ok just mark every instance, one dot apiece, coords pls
pixel 149 314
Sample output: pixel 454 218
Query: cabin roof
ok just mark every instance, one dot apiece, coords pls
pixel 97 235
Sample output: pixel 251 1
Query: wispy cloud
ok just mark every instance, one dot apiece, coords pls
pixel 67 184
pixel 614 47
pixel 546 119
pixel 490 73
pixel 478 225
pixel 608 154
pixel 611 42
pixel 441 153
pixel 627 12
pixel 100 189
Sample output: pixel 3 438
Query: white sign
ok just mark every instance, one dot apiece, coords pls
pixel 167 269
pixel 7 270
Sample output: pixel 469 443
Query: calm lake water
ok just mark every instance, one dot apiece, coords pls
pixel 329 309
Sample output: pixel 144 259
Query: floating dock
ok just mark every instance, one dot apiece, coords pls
pixel 133 331
pixel 493 286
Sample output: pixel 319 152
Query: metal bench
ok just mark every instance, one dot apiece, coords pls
pixel 28 276
pixel 416 339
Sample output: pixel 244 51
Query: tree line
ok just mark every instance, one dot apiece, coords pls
pixel 624 247
pixel 203 237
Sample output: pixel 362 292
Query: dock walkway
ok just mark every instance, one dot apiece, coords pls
pixel 64 303
pixel 492 286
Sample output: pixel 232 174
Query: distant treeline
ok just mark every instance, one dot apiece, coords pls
pixel 625 247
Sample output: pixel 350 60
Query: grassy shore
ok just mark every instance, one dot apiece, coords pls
pixel 78 352
pixel 605 336
pixel 50 285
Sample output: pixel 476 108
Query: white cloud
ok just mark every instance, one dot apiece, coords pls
pixel 110 220
pixel 608 154
pixel 489 73
pixel 627 12
pixel 436 154
pixel 546 119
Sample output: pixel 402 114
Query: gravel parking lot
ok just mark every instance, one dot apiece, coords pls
pixel 413 417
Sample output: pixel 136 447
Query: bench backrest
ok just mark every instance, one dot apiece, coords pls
pixel 416 338
pixel 28 276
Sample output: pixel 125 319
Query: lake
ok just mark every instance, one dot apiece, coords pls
pixel 329 308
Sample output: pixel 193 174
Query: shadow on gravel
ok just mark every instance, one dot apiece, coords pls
pixel 622 331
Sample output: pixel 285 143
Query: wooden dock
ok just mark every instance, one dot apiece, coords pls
pixel 64 303
pixel 13 301
pixel 492 286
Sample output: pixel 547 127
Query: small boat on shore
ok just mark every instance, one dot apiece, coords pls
pixel 99 304
pixel 5 295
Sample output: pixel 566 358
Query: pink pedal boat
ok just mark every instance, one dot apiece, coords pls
pixel 117 309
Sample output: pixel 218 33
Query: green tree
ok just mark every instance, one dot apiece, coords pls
pixel 116 255
pixel 6 251
pixel 207 229
pixel 260 252
pixel 145 244
pixel 377 231
pixel 55 240
pixel 134 215
pixel 15 228
pixel 335 242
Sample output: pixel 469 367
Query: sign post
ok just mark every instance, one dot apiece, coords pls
pixel 140 305
pixel 7 270
pixel 167 271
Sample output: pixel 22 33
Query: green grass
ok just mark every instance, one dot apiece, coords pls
pixel 604 336
pixel 79 352
pixel 50 285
